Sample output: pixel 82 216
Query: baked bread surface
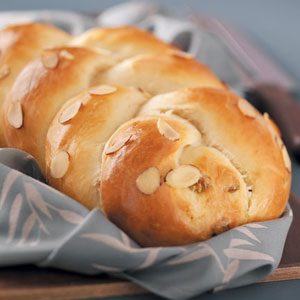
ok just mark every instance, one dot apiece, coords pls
pixel 211 177
pixel 19 44
pixel 120 120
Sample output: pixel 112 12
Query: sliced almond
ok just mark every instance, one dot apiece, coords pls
pixel 286 158
pixel 86 98
pixel 15 115
pixel 167 131
pixel 59 164
pixel 181 54
pixel 50 59
pixel 183 176
pixel 102 90
pixel 4 71
pixel 270 125
pixel 118 144
pixel 246 108
pixel 148 182
pixel 66 54
pixel 273 130
pixel 70 112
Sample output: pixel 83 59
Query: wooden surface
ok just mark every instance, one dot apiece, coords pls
pixel 30 282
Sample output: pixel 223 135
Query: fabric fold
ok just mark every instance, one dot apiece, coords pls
pixel 41 226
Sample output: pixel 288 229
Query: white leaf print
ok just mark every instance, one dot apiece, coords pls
pixel 125 239
pixel 27 228
pixel 239 242
pixel 248 233
pixel 255 225
pixel 70 216
pixel 35 197
pixel 200 253
pixel 7 183
pixel 231 270
pixel 150 259
pixel 14 215
pixel 41 224
pixel 106 269
pixel 247 254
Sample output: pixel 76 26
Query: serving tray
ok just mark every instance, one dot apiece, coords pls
pixel 29 282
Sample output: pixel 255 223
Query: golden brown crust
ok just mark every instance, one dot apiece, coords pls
pixel 247 141
pixel 227 156
pixel 19 44
pixel 195 162
pixel 169 216
pixel 41 91
pixel 123 42
pixel 83 138
pixel 162 73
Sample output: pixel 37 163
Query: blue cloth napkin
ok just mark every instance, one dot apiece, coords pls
pixel 41 226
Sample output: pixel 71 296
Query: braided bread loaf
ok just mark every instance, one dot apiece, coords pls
pixel 20 44
pixel 118 119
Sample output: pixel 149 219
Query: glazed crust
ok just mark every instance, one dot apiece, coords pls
pixel 42 91
pixel 122 42
pixel 249 142
pixel 19 44
pixel 83 138
pixel 240 181
pixel 162 73
pixel 121 120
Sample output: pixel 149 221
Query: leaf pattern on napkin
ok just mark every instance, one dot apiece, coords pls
pixel 27 228
pixel 34 215
pixel 13 216
pixel 198 254
pixel 70 216
pixel 231 270
pixel 7 184
pixel 255 225
pixel 39 212
pixel 235 254
pixel 239 242
pixel 243 254
pixel 36 240
pixel 125 239
pixel 36 199
pixel 248 233
pixel 150 259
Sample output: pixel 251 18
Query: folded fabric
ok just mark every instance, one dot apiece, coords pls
pixel 41 226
